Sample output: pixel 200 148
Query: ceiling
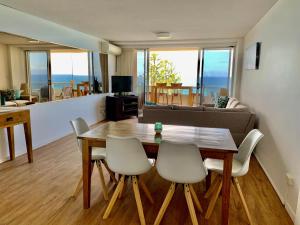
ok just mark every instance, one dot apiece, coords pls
pixel 24 42
pixel 10 39
pixel 137 20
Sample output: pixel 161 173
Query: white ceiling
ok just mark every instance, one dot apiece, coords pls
pixel 136 20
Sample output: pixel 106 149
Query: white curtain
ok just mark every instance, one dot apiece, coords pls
pixel 127 65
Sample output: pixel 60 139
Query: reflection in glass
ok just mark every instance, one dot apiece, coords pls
pixel 38 64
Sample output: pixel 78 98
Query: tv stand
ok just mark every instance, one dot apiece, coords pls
pixel 121 107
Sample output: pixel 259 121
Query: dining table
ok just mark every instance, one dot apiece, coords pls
pixel 214 143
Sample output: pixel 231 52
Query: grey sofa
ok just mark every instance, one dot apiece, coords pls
pixel 236 117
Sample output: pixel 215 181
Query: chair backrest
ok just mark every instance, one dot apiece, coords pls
pixel 158 85
pixel 246 148
pixel 181 163
pixel 126 155
pixel 67 92
pixel 79 126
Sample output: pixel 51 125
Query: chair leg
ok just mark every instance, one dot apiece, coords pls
pixel 78 187
pixel 124 187
pixel 146 191
pixel 102 181
pixel 180 99
pixel 114 198
pixel 195 198
pixel 165 204
pixel 213 187
pixel 111 174
pixel 213 201
pixel 239 190
pixel 138 200
pixel 190 204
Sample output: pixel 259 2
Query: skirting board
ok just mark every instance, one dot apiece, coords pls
pixel 288 208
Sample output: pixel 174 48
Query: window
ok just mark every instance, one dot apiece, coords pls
pixel 202 73
pixel 38 66
pixel 68 75
pixel 67 67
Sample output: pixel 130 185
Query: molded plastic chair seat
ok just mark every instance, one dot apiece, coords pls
pixel 180 163
pixel 98 156
pixel 127 156
pixel 240 167
pixel 217 166
pixel 98 153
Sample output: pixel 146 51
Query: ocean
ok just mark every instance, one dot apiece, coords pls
pixel 38 81
pixel 212 84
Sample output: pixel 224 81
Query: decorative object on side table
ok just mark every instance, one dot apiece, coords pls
pixel 157 138
pixel 158 127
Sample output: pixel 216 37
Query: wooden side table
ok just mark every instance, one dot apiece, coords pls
pixel 10 118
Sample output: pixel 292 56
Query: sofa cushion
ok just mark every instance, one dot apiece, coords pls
pixel 8 94
pixel 222 101
pixel 157 107
pixel 242 108
pixel 190 108
pixel 232 103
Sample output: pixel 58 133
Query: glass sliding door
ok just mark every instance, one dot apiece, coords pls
pixel 69 69
pixel 215 76
pixel 142 68
pixel 39 73
pixel 177 71
pixel 190 77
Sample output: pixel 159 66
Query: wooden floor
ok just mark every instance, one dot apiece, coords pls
pixel 39 193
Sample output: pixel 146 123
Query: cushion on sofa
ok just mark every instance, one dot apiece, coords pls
pixel 222 102
pixel 241 108
pixel 232 103
pixel 157 107
pixel 190 108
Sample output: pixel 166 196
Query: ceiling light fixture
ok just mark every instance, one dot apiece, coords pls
pixel 163 35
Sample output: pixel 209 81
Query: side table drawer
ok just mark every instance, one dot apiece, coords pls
pixel 12 118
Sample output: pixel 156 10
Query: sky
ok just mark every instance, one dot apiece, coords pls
pixel 61 63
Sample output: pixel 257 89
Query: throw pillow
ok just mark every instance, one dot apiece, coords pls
pixel 222 102
pixel 10 95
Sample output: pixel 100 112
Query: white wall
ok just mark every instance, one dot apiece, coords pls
pixel 5 79
pixel 112 67
pixel 273 92
pixel 297 219
pixel 17 66
pixel 16 22
pixel 50 121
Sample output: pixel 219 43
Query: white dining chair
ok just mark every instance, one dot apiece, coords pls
pixel 240 167
pixel 98 156
pixel 126 156
pixel 180 164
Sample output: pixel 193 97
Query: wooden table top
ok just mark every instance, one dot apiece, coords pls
pixel 11 109
pixel 204 138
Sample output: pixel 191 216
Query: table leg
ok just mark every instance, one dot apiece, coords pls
pixel 208 180
pixel 28 139
pixel 86 172
pixel 190 96
pixel 226 187
pixel 11 142
pixel 155 94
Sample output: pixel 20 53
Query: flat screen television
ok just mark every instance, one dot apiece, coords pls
pixel 120 84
